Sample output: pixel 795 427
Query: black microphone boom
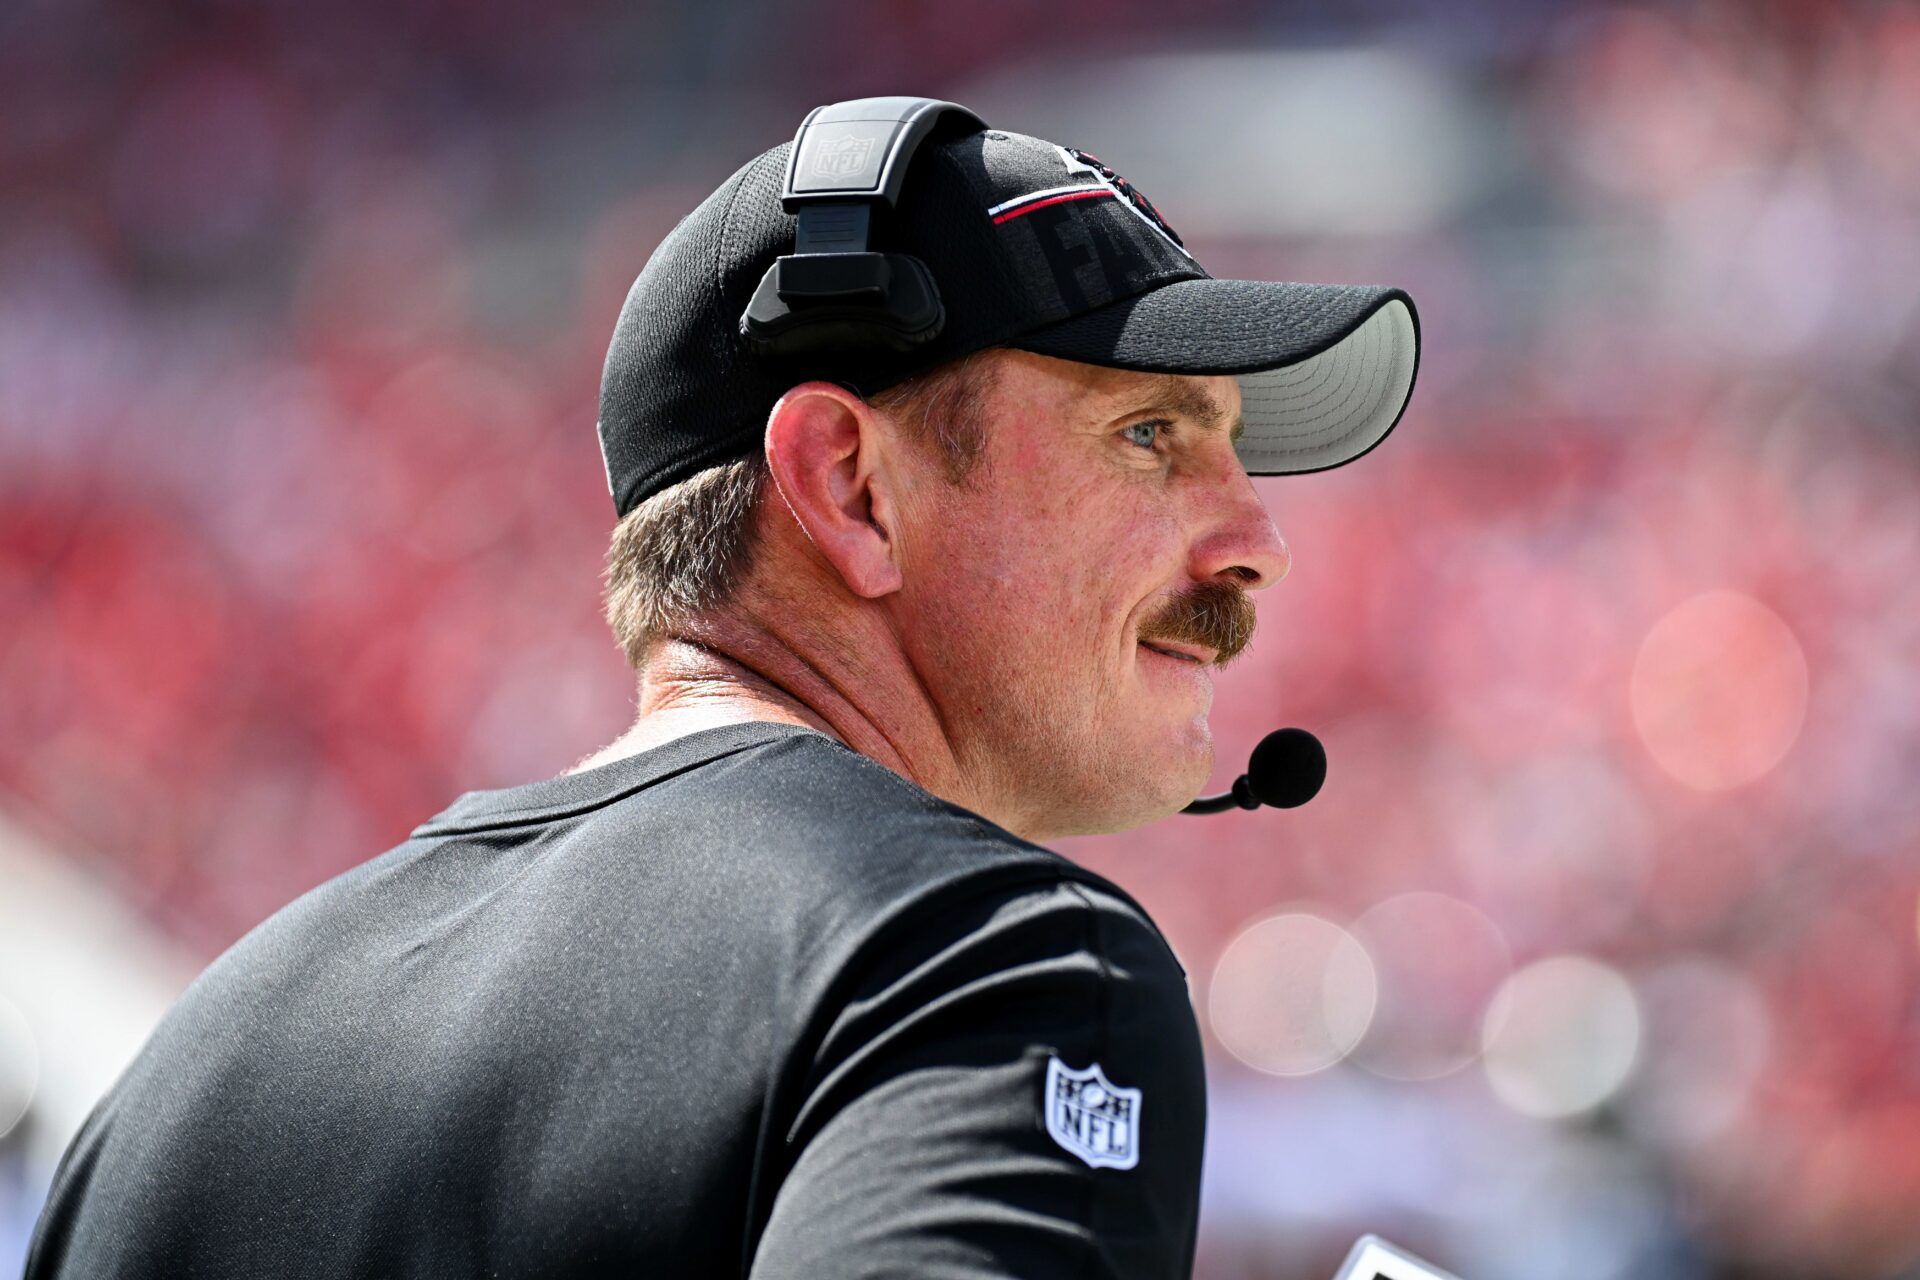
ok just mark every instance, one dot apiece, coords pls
pixel 1286 771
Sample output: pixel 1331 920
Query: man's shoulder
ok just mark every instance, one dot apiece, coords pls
pixel 786 846
pixel 819 842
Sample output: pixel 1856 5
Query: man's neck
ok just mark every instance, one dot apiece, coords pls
pixel 732 672
pixel 684 689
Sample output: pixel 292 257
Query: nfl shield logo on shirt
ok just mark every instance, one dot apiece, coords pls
pixel 1092 1116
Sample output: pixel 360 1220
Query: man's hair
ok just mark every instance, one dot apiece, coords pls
pixel 685 550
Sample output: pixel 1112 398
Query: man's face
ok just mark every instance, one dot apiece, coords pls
pixel 1067 606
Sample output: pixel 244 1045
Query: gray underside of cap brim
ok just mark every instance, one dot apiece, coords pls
pixel 1325 371
pixel 1332 407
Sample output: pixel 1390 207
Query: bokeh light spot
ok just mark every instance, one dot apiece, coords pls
pixel 1292 994
pixel 1439 961
pixel 1561 1037
pixel 1719 690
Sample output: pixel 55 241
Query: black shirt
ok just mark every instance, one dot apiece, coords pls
pixel 748 1004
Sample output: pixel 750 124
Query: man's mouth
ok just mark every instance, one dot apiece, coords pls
pixel 1199 655
pixel 1206 624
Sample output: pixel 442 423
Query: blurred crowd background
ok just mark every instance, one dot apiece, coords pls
pixel 1597 955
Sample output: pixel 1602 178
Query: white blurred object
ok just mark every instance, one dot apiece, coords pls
pixel 1561 1037
pixel 1292 994
pixel 1265 143
pixel 89 978
pixel 1374 1259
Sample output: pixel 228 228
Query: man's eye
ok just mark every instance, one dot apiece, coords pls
pixel 1143 434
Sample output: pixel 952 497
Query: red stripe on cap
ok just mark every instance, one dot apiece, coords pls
pixel 1089 193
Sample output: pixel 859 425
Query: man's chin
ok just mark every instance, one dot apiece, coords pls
pixel 1123 800
pixel 1178 771
pixel 1199 766
pixel 1121 772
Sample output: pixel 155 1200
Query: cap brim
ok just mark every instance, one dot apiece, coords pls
pixel 1325 370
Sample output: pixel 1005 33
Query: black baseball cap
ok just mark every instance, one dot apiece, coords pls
pixel 1030 245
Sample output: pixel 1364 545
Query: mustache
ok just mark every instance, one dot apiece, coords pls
pixel 1216 614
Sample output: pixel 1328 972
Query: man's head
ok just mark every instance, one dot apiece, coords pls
pixel 1028 502
pixel 1058 556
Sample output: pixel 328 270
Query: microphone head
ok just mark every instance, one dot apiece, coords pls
pixel 1287 768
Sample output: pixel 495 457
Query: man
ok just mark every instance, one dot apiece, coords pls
pixel 778 984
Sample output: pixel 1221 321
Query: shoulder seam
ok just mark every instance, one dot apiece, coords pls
pixel 549 813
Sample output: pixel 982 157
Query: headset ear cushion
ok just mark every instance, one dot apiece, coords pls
pixel 853 303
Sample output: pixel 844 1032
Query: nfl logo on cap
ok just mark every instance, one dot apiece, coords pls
pixel 842 158
pixel 1092 1116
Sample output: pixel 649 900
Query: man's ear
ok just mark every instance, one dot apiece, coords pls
pixel 823 451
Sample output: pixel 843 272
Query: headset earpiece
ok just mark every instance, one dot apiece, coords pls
pixel 834 292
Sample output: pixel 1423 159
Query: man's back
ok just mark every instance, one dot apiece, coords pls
pixel 747 1003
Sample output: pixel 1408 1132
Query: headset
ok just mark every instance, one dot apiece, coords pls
pixel 844 175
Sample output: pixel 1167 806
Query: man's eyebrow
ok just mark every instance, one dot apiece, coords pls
pixel 1175 394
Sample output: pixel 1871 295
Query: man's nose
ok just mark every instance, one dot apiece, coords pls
pixel 1241 543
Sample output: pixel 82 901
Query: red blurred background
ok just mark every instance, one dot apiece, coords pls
pixel 1597 955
